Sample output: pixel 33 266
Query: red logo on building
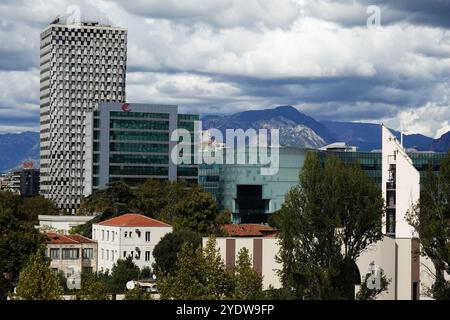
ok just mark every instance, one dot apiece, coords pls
pixel 126 107
pixel 28 164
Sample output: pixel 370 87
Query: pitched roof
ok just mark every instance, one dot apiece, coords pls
pixel 133 220
pixel 249 230
pixel 56 238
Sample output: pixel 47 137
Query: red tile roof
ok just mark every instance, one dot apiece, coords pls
pixel 133 220
pixel 56 238
pixel 249 230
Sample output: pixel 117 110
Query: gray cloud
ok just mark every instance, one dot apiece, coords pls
pixel 225 56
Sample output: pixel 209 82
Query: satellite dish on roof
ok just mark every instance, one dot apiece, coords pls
pixel 74 282
pixel 131 285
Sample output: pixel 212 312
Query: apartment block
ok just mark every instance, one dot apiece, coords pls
pixel 80 65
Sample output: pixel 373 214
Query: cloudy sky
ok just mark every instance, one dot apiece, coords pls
pixel 328 58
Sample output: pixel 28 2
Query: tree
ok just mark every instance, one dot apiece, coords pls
pixel 178 203
pixel 137 294
pixel 122 272
pixel 197 212
pixel 247 282
pixel 366 293
pixel 27 209
pixel 326 222
pixel 430 217
pixel 94 286
pixel 145 273
pixel 112 201
pixel 167 249
pixel 18 240
pixel 200 274
pixel 32 207
pixel 37 281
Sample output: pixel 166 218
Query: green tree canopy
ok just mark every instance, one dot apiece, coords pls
pixel 94 286
pixel 167 249
pixel 177 203
pixel 37 281
pixel 197 212
pixel 123 271
pixel 324 225
pixel 200 274
pixel 248 282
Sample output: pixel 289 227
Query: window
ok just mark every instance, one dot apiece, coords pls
pixel 147 255
pixel 147 236
pixel 70 254
pixel 107 254
pixel 124 254
pixel 112 255
pixel 103 254
pixel 103 234
pixel 88 253
pixel 125 234
pixel 54 254
pixel 87 270
pixel 107 236
pixel 112 235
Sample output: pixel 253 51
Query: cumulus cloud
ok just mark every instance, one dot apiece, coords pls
pixel 223 56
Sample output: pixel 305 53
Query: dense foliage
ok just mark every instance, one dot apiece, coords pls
pixel 200 274
pixel 324 225
pixel 165 252
pixel 186 207
pixel 18 236
pixel 37 281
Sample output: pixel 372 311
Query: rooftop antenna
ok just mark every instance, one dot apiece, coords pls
pixel 402 131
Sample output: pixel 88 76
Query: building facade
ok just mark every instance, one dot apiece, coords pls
pixel 80 65
pixel 128 235
pixel 250 196
pixel 62 224
pixel 132 143
pixel 71 254
pixel 25 182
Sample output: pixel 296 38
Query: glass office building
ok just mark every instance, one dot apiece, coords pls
pixel 252 197
pixel 371 161
pixel 132 143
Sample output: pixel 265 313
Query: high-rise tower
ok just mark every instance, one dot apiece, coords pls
pixel 81 65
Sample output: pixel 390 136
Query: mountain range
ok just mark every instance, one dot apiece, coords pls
pixel 300 130
pixel 17 147
pixel 296 129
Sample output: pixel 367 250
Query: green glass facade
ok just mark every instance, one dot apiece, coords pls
pixel 371 161
pixel 134 145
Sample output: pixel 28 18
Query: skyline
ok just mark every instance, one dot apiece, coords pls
pixel 226 57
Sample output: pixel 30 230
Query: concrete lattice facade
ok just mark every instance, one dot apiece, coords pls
pixel 81 65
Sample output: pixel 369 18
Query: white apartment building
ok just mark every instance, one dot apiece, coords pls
pixel 128 235
pixel 81 65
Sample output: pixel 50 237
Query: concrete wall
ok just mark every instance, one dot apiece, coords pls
pixel 263 257
pixel 75 265
pixel 62 224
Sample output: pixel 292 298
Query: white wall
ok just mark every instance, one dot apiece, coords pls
pixel 121 243
pixel 383 255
